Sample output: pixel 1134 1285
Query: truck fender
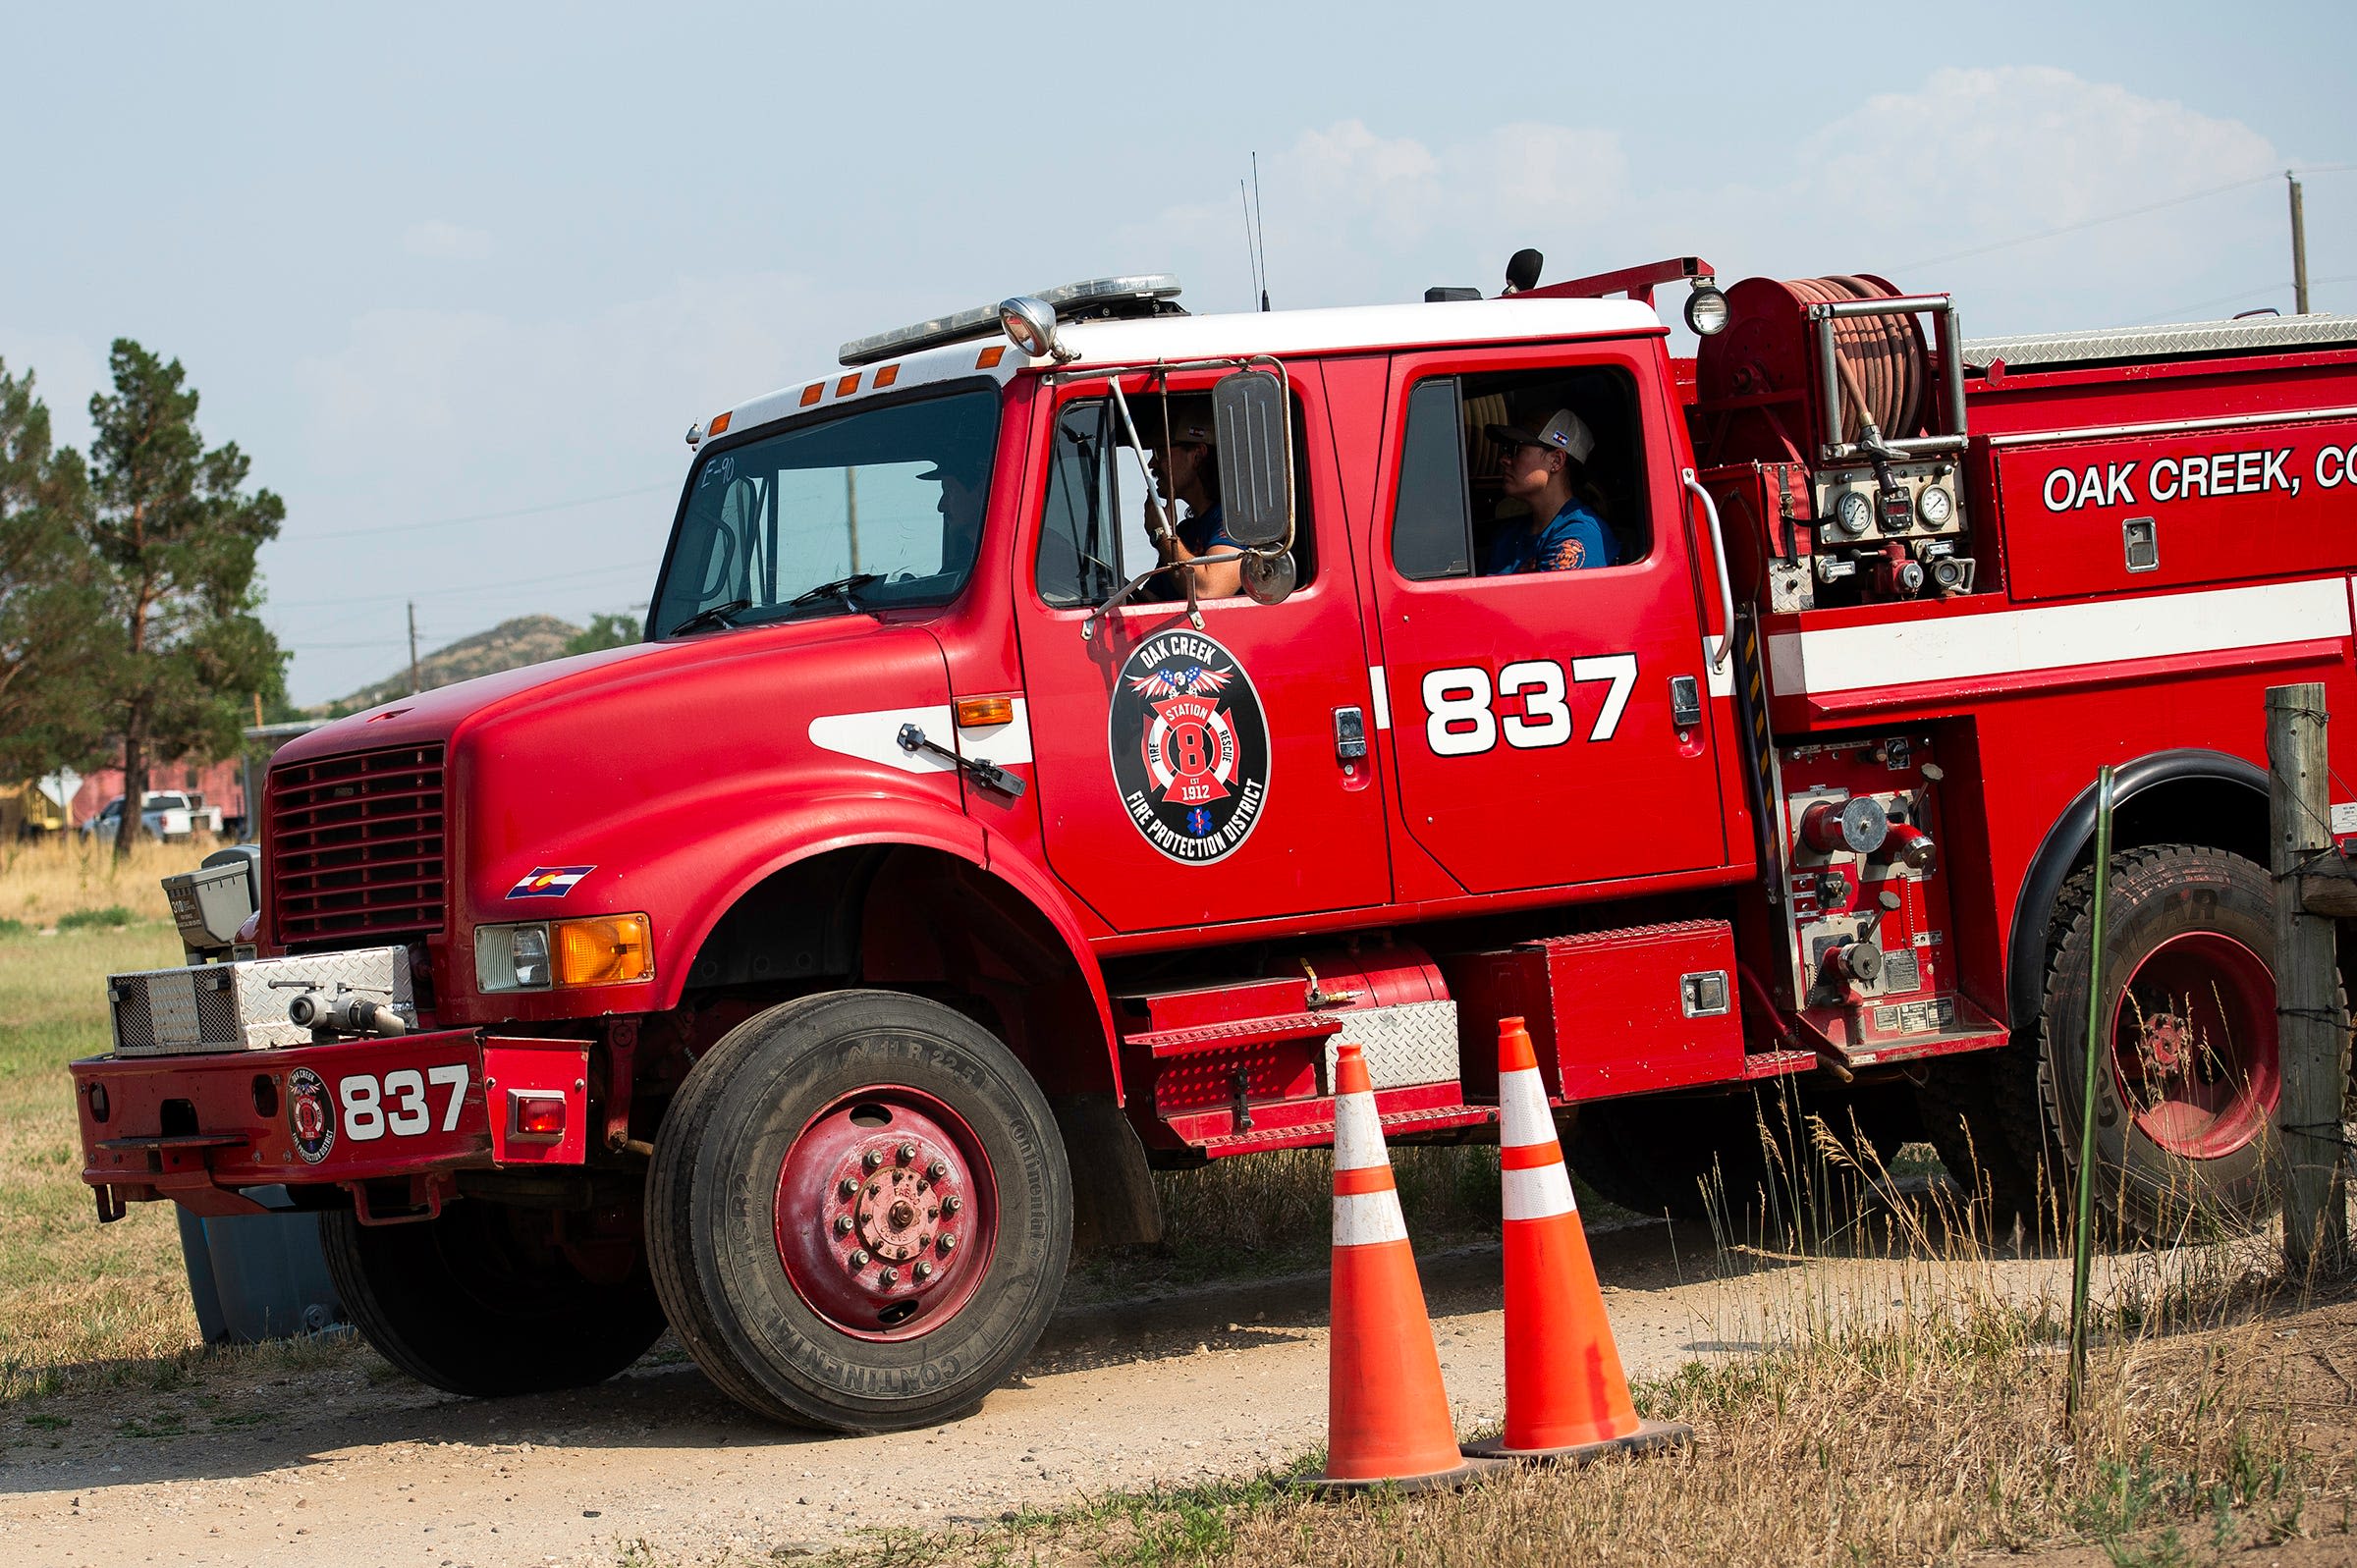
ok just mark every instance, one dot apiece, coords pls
pixel 825 825
pixel 2192 773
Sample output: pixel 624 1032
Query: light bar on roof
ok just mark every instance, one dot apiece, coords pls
pixel 983 320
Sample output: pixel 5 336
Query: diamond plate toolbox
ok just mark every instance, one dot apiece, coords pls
pixel 243 1006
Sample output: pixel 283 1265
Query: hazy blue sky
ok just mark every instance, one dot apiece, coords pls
pixel 431 264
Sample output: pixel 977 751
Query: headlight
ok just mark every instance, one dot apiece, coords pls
pixel 511 957
pixel 594 951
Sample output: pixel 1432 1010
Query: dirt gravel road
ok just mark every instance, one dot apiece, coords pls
pixel 341 1464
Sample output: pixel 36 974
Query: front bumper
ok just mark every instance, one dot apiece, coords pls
pixel 199 1129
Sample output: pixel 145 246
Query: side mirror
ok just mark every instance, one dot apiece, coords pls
pixel 1256 466
pixel 1030 325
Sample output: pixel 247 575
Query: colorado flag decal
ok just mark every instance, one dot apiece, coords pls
pixel 549 881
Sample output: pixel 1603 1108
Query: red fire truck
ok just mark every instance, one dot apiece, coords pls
pixel 810 975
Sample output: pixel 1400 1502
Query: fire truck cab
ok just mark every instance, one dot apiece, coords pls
pixel 810 975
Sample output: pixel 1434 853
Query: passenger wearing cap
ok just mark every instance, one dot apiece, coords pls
pixel 1546 469
pixel 960 507
pixel 1186 468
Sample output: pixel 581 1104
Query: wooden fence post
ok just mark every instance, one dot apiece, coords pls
pixel 2309 1026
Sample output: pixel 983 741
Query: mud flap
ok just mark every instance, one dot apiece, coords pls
pixel 1112 1192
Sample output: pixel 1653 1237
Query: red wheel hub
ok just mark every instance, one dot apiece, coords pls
pixel 886 1213
pixel 2193 1044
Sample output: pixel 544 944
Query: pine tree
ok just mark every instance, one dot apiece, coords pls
pixel 176 534
pixel 53 657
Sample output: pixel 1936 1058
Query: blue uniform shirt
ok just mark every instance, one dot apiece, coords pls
pixel 1576 538
pixel 1206 531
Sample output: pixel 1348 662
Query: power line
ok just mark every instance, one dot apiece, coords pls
pixel 2115 217
pixel 482 516
pixel 2229 299
pixel 347 601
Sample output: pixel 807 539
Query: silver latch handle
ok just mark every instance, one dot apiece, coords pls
pixel 1726 592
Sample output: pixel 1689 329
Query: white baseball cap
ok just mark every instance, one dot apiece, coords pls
pixel 1564 431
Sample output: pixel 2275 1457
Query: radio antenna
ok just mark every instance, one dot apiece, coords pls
pixel 1260 225
pixel 1251 255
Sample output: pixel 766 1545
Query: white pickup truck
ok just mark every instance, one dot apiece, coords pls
pixel 171 815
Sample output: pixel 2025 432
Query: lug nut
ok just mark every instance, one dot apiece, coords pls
pixel 860 1259
pixel 948 1243
pixel 938 1169
pixel 847 1189
pixel 870 1161
pixel 921 1272
pixel 906 1153
pixel 842 1224
pixel 889 1277
pixel 952 1203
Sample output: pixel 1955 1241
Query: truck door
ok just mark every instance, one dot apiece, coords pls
pixel 1190 776
pixel 1550 728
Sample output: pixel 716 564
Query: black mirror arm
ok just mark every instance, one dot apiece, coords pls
pixel 1129 590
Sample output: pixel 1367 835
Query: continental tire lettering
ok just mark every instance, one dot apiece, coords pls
pixel 1461 717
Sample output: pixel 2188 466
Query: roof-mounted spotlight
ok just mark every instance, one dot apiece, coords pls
pixel 1029 323
pixel 1707 313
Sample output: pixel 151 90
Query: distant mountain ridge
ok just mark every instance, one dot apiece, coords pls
pixel 510 645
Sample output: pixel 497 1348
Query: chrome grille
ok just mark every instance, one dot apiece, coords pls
pixel 356 846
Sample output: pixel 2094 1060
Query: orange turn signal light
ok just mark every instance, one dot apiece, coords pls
pixel 720 422
pixel 603 951
pixel 974 712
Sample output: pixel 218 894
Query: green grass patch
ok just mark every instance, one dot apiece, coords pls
pixel 112 916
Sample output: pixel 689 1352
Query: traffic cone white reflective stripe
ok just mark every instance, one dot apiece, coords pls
pixel 1566 1397
pixel 1387 1417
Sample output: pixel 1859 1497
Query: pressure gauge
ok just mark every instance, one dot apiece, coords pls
pixel 1853 514
pixel 1936 506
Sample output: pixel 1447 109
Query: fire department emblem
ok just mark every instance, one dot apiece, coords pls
pixel 311 1116
pixel 1190 746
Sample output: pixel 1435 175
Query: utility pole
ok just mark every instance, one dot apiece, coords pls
pixel 2299 247
pixel 412 647
pixel 2308 1007
pixel 850 513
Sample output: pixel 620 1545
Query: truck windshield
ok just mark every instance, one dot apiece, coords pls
pixel 878 508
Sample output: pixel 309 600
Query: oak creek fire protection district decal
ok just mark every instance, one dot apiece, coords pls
pixel 1189 747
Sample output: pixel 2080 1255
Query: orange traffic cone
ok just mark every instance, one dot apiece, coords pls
pixel 1567 1397
pixel 1386 1414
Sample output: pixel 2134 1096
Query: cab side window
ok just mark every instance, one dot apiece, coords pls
pixel 1456 513
pixel 1092 532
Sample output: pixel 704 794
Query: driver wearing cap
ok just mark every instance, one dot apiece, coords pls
pixel 1186 468
pixel 1546 469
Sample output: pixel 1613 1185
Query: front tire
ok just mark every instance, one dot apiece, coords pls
pixel 860 1212
pixel 483 1299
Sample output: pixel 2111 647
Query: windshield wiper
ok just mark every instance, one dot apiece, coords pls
pixel 840 588
pixel 717 616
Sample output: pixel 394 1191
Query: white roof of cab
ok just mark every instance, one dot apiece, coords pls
pixel 1144 340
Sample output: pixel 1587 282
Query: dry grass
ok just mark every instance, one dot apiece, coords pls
pixel 73 1296
pixel 45 880
pixel 1926 1439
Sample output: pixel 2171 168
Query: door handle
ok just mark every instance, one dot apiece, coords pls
pixel 1686 702
pixel 1349 735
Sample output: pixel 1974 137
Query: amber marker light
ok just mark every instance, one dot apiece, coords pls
pixel 603 951
pixel 988 358
pixel 886 375
pixel 847 385
pixel 720 422
pixel 813 392
pixel 975 712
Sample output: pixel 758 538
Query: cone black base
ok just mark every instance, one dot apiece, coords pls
pixel 1470 1471
pixel 1649 1438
